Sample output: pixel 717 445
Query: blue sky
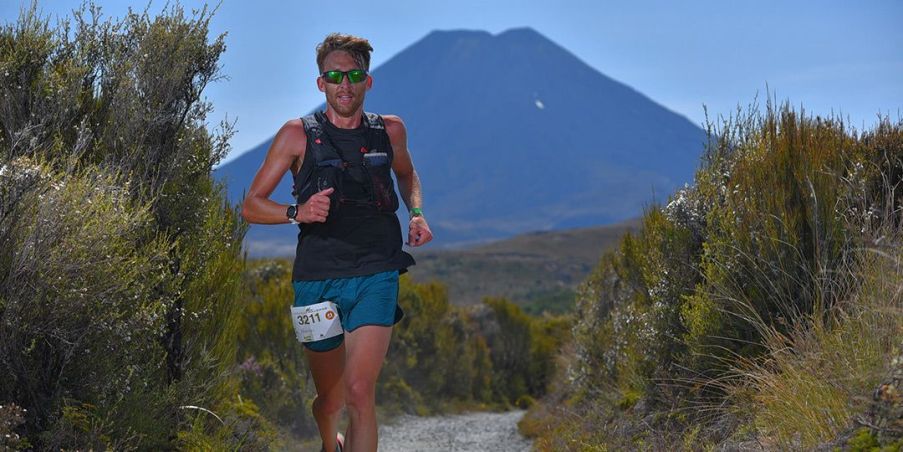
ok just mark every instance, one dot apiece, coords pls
pixel 828 56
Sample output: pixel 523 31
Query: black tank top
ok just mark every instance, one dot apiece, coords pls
pixel 357 239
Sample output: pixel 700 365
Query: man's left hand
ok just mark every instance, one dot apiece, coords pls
pixel 419 232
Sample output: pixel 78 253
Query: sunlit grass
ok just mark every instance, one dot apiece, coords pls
pixel 814 383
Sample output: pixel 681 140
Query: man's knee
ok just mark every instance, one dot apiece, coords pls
pixel 360 394
pixel 326 406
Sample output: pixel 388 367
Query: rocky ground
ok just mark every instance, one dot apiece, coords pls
pixel 474 432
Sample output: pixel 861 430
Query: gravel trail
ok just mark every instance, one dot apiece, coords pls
pixel 471 432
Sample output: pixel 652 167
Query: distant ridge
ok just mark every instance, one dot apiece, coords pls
pixel 512 133
pixel 539 270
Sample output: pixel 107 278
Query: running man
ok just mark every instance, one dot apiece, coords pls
pixel 349 251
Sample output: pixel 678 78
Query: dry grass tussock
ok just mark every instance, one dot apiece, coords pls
pixel 813 384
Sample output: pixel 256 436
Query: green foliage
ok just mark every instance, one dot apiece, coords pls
pixel 120 261
pixel 436 355
pixel 554 302
pixel 243 428
pixel 522 349
pixel 765 295
pixel 629 324
pixel 510 348
pixel 863 441
pixel 815 378
pixel 80 308
pixel 547 336
pixel 270 361
pixel 775 246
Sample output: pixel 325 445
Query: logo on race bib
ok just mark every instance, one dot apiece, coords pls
pixel 330 315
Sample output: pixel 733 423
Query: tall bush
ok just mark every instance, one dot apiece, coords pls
pixel 752 298
pixel 119 269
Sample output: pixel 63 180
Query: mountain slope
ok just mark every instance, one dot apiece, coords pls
pixel 539 270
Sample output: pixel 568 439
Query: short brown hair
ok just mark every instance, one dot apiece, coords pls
pixel 358 48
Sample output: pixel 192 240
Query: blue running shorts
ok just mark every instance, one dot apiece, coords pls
pixel 361 300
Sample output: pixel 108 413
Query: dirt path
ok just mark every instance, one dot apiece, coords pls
pixel 476 432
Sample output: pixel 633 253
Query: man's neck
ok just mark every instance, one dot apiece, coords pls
pixel 343 122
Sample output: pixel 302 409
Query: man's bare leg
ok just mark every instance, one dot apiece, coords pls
pixel 366 349
pixel 327 369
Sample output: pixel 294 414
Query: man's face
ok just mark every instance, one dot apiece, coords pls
pixel 345 98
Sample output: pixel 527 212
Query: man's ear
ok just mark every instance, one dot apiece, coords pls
pixel 321 85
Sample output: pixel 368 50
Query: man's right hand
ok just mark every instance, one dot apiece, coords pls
pixel 316 209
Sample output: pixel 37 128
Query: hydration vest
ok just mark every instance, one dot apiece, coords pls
pixel 324 167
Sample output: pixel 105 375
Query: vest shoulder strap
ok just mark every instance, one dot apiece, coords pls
pixel 312 127
pixel 374 121
pixel 318 143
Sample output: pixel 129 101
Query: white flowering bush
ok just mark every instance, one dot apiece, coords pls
pixel 120 259
pixel 81 270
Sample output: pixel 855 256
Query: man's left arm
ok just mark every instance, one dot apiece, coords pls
pixel 408 183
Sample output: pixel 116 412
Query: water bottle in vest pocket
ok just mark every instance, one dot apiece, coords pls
pixel 379 168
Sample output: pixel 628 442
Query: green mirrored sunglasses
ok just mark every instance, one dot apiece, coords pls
pixel 335 77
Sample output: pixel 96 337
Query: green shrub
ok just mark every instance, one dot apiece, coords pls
pixel 763 299
pixel 119 258
pixel 437 355
pixel 522 349
pixel 270 360
pixel 81 313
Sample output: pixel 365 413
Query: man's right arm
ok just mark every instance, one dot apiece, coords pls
pixel 286 152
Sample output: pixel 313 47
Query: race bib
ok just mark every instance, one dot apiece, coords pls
pixel 316 322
